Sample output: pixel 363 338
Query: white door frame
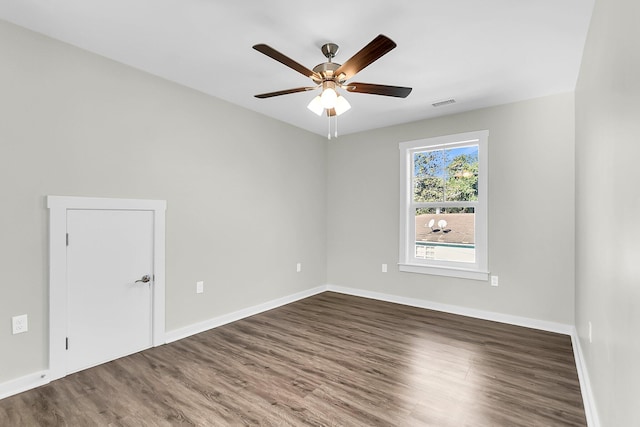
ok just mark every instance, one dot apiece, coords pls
pixel 58 206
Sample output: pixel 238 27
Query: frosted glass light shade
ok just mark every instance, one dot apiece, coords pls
pixel 328 98
pixel 342 105
pixel 316 106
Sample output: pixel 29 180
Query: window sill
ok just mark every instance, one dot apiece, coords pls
pixel 445 271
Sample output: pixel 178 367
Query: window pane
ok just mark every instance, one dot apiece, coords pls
pixel 428 176
pixel 445 234
pixel 446 175
pixel 461 174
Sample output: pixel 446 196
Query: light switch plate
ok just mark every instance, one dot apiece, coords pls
pixel 199 287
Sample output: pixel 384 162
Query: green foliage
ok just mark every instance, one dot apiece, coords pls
pixel 438 179
pixel 462 179
pixel 429 179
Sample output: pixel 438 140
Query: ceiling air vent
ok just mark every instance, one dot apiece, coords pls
pixel 445 102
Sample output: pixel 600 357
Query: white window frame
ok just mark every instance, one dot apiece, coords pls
pixel 407 259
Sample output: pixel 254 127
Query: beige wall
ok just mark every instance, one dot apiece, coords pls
pixel 531 211
pixel 608 210
pixel 246 194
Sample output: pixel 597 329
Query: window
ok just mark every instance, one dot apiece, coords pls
pixel 443 212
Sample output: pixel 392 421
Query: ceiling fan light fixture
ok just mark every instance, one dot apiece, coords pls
pixel 342 105
pixel 329 96
pixel 331 75
pixel 316 106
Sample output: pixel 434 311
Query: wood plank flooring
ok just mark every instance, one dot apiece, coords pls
pixel 328 360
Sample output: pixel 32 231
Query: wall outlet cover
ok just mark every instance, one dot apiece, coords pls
pixel 20 324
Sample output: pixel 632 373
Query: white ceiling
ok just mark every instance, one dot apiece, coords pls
pixel 481 53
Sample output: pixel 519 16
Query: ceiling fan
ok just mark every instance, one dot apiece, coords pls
pixel 329 76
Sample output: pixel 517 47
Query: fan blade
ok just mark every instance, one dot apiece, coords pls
pixel 284 92
pixel 368 54
pixel 331 112
pixel 272 53
pixel 397 91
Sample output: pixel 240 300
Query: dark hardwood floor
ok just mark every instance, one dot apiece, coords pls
pixel 328 360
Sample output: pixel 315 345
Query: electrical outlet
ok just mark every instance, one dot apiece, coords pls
pixel 199 287
pixel 384 268
pixel 590 333
pixel 20 324
pixel 299 267
pixel 494 280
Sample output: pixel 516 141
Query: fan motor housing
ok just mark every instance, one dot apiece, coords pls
pixel 326 69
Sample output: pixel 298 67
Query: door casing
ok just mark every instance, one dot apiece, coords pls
pixel 58 297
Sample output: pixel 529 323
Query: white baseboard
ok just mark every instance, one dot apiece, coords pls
pixel 196 328
pixel 543 325
pixel 37 379
pixel 585 383
pixel 24 383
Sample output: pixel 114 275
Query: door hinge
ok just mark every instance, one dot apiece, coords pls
pixel 66 343
pixel 67 239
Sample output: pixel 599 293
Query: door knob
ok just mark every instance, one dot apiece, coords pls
pixel 145 279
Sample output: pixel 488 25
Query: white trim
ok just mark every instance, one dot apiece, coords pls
pixel 543 325
pixel 445 271
pixel 215 322
pixel 406 259
pixel 27 382
pixel 58 206
pixel 73 202
pixel 585 383
pixel 37 379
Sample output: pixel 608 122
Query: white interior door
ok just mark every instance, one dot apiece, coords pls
pixel 109 313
